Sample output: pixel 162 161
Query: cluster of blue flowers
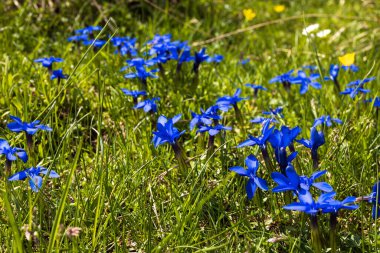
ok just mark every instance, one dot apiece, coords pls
pixel 305 81
pixel 162 49
pixel 48 63
pixel 12 153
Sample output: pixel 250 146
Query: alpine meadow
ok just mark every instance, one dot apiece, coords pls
pixel 190 126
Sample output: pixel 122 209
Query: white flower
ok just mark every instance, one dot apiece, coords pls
pixel 310 29
pixel 323 33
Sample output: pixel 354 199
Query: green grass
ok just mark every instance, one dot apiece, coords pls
pixel 126 195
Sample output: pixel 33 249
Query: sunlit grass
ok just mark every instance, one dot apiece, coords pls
pixel 126 195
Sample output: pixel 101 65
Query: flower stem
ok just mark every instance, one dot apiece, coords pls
pixel 134 101
pixel 29 142
pixel 210 146
pixel 238 115
pixel 314 156
pixel 8 167
pixel 333 231
pixel 315 234
pixel 336 85
pixel 144 84
pixel 267 160
pixel 291 147
pixel 180 156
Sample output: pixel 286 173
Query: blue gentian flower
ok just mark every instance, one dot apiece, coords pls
pixel 213 130
pixel 183 56
pixel 77 38
pixel 280 140
pixel 139 63
pixel 317 139
pixel 200 119
pixel 97 43
pixel 216 58
pixel 354 91
pixel 293 182
pixel 261 120
pixel 305 81
pixel 284 79
pixel 244 61
pixel 356 87
pixel 288 181
pixel 149 105
pixel 261 140
pixel 226 101
pixel 134 93
pixel 124 45
pixel 29 128
pixel 326 120
pixel 11 153
pixel 352 67
pixel 212 112
pixel 256 88
pixel 142 74
pixel 199 57
pixel 160 39
pixel 48 62
pixel 374 199
pixel 307 182
pixel 284 137
pixel 230 100
pixel 88 30
pixel 307 203
pixel 58 74
pixel 166 132
pixel 254 181
pixel 360 83
pixel 376 101
pixel 33 173
pixel 333 73
pixel 330 205
pixel 275 112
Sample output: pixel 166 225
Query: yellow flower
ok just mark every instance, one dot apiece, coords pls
pixel 249 14
pixel 347 59
pixel 279 8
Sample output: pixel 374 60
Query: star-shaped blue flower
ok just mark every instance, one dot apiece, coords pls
pixel 254 181
pixel 333 73
pixel 326 120
pixel 201 119
pixel 213 130
pixel 230 100
pixel 58 74
pixel 48 62
pixel 33 173
pixel 11 153
pixel 28 127
pixel 306 81
pixel 199 57
pixel 284 79
pixel 317 139
pixel 149 105
pixel 166 132
pixel 216 58
pixel 261 140
pixel 275 112
pixel 88 30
